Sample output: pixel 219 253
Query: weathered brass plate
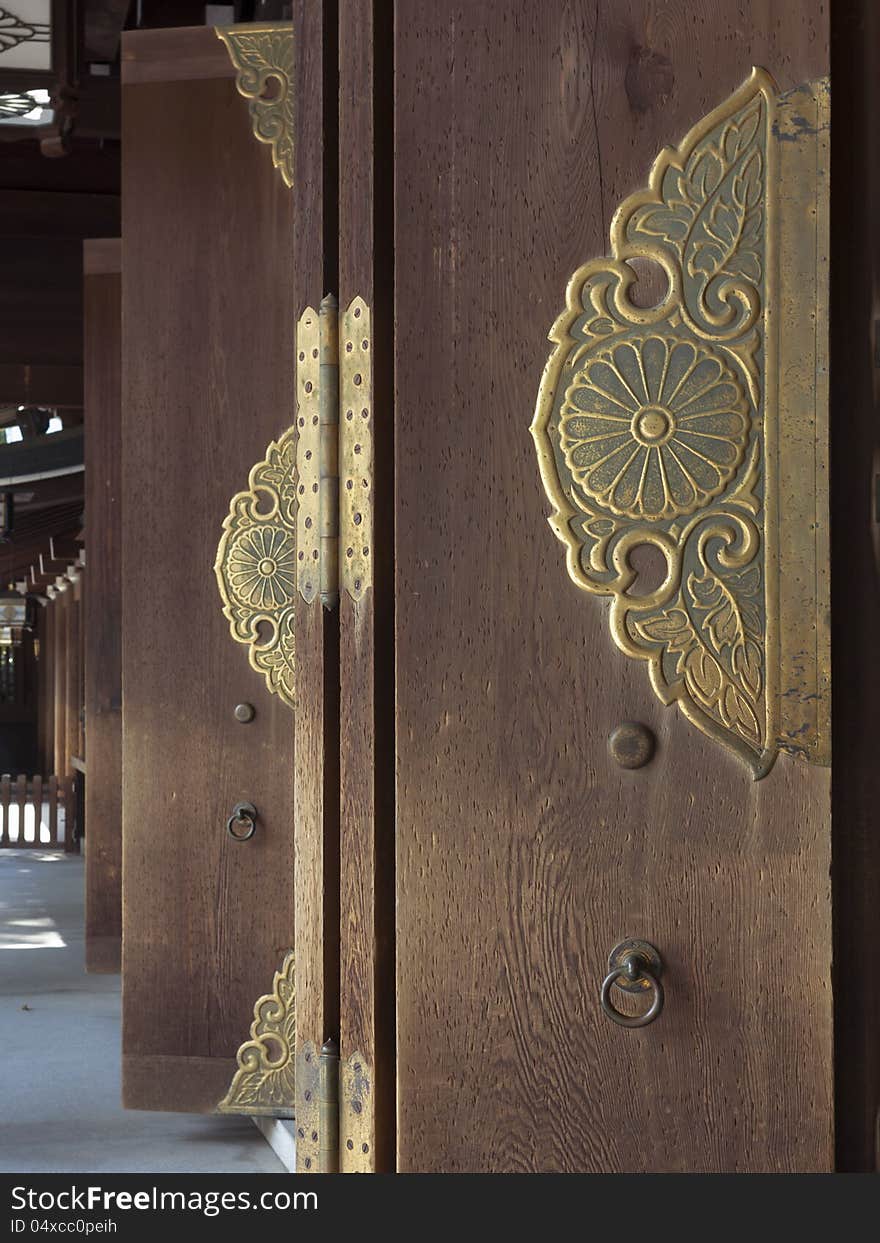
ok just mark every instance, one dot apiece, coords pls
pixel 355 449
pixel 265 1082
pixel 307 513
pixel 699 426
pixel 356 1116
pixel 263 59
pixel 256 566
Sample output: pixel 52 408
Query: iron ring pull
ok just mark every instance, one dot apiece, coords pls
pixel 637 969
pixel 246 814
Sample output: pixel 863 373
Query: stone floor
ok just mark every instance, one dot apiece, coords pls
pixel 59 1049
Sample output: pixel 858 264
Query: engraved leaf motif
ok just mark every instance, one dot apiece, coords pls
pixel 731 619
pixel 704 171
pixel 262 52
pixel 747 182
pixel 747 665
pixel 672 627
pixel 249 1087
pixel 717 658
pixel 703 672
pixel 729 606
pixel 250 48
pixel 739 133
pixel 665 222
pixel 722 622
pixel 730 240
pixel 737 713
pixel 726 236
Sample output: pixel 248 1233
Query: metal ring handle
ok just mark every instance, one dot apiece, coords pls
pixel 242 813
pixel 635 967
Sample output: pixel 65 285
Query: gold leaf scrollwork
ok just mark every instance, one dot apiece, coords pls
pixel 649 425
pixel 264 1082
pixel 263 59
pixel 256 566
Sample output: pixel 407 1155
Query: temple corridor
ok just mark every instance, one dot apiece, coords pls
pixel 71 1120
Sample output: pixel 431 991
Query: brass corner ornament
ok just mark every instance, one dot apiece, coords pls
pixel 263 59
pixel 699 426
pixel 264 1083
pixel 256 566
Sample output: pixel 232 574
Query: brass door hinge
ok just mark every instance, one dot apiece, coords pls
pixel 334 1112
pixel 334 452
pixel 317 1109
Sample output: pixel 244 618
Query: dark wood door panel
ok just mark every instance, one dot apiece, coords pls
pixel 523 852
pixel 209 308
pixel 102 632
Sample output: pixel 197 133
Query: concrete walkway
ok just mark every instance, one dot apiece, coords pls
pixel 59 1049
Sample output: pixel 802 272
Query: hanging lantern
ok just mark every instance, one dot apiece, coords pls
pixel 26 31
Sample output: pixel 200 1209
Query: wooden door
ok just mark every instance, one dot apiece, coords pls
pixel 212 283
pixel 525 852
pixel 102 635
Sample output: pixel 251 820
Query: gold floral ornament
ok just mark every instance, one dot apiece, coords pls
pixel 264 1083
pixel 256 566
pixel 263 58
pixel 653 427
pixel 667 425
pixel 261 568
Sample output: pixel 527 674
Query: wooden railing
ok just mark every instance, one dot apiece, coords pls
pixel 36 812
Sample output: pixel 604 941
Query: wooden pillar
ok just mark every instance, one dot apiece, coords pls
pixel 71 745
pixel 102 645
pixel 45 689
pixel 60 607
pixel 48 702
pixel 71 711
pixel 80 667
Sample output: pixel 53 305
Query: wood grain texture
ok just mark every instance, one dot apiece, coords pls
pixel 102 630
pixel 208 369
pixel 176 54
pixel 366 806
pixel 855 558
pixel 317 765
pixel 524 853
